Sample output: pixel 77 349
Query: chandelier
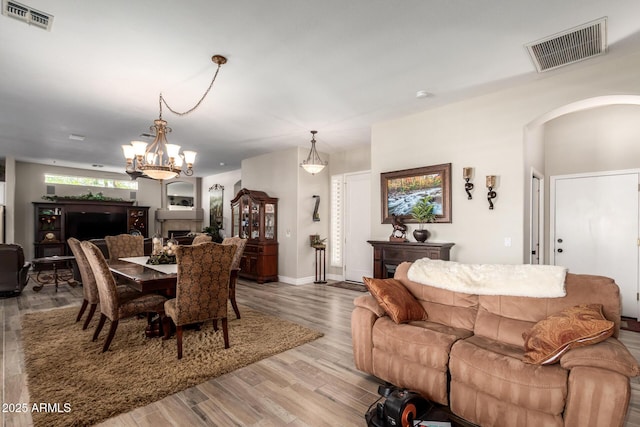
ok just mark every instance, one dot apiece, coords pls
pixel 314 163
pixel 161 160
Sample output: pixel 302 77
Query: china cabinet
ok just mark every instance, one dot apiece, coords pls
pixel 254 216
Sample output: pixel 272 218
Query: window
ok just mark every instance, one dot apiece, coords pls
pixel 90 182
pixel 336 220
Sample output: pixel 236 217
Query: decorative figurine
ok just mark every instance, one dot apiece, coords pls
pixel 399 233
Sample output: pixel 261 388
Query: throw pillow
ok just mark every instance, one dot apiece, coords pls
pixel 573 327
pixel 395 299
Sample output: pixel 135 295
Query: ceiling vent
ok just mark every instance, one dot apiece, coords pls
pixel 27 14
pixel 568 47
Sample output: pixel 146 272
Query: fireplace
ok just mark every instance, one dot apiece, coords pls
pixel 178 233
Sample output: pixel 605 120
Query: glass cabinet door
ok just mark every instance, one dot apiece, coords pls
pixel 235 214
pixel 269 221
pixel 245 218
pixel 255 220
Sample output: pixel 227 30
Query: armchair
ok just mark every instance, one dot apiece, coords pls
pixel 13 268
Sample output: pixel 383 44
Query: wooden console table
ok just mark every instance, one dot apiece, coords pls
pixel 388 255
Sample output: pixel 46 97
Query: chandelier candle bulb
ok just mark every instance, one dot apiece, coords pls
pixel 189 157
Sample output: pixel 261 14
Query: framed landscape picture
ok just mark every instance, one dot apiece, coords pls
pixel 400 190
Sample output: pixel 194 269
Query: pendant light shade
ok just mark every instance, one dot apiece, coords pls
pixel 314 163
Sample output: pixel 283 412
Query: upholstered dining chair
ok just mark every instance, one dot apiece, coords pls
pixel 202 288
pixel 89 287
pixel 124 245
pixel 111 306
pixel 201 238
pixel 235 268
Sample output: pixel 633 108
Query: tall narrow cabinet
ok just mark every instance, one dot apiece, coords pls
pixel 49 230
pixel 254 216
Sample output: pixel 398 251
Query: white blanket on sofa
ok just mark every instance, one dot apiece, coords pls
pixel 537 281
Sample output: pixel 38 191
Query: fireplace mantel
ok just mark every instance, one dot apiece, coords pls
pixel 181 215
pixel 191 220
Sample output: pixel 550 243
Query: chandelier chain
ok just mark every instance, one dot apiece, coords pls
pixel 162 100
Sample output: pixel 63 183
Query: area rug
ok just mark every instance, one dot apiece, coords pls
pixel 629 324
pixel 84 386
pixel 350 286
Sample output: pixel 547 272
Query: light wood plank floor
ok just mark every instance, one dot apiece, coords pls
pixel 315 384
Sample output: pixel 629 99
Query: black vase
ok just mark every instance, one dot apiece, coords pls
pixel 421 235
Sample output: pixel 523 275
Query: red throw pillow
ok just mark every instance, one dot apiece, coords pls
pixel 395 299
pixel 573 327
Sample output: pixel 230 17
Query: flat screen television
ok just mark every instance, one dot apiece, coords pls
pixel 95 225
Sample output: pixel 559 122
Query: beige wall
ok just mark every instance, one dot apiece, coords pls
pixel 10 201
pixel 227 180
pixel 599 139
pixel 30 187
pixel 488 133
pixel 280 175
pixel 276 174
pixel 355 159
pixel 593 140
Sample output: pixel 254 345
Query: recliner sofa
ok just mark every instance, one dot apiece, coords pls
pixel 13 268
pixel 469 355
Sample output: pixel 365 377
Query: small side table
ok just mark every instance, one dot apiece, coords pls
pixel 53 263
pixel 321 260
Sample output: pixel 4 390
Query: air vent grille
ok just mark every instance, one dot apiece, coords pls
pixel 26 14
pixel 574 45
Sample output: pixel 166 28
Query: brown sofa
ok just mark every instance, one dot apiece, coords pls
pixel 469 355
pixel 13 269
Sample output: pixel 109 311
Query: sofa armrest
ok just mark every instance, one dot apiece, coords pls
pixel 610 354
pixel 370 303
pixel 23 275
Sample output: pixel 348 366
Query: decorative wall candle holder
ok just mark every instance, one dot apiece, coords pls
pixel 491 194
pixel 467 174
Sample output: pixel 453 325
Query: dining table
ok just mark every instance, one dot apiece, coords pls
pixel 158 278
pixel 146 278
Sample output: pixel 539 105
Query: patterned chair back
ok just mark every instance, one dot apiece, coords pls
pixel 202 289
pixel 124 245
pixel 105 282
pixel 89 287
pixel 240 244
pixel 201 238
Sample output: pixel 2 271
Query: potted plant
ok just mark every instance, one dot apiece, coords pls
pixel 214 232
pixel 423 211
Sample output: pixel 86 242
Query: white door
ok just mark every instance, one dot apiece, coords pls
pixel 594 229
pixel 358 254
pixel 535 220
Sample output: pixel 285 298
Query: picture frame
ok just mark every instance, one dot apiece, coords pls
pixel 400 190
pixel 216 200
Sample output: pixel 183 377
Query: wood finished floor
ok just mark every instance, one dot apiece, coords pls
pixel 315 384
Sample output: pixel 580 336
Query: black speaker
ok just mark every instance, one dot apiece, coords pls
pixel 399 409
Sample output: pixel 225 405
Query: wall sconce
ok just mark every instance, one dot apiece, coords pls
pixel 467 173
pixel 491 183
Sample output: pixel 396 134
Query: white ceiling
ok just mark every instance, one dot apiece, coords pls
pixel 294 65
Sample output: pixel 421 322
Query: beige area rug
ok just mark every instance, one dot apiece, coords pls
pixel 66 368
pixel 360 287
